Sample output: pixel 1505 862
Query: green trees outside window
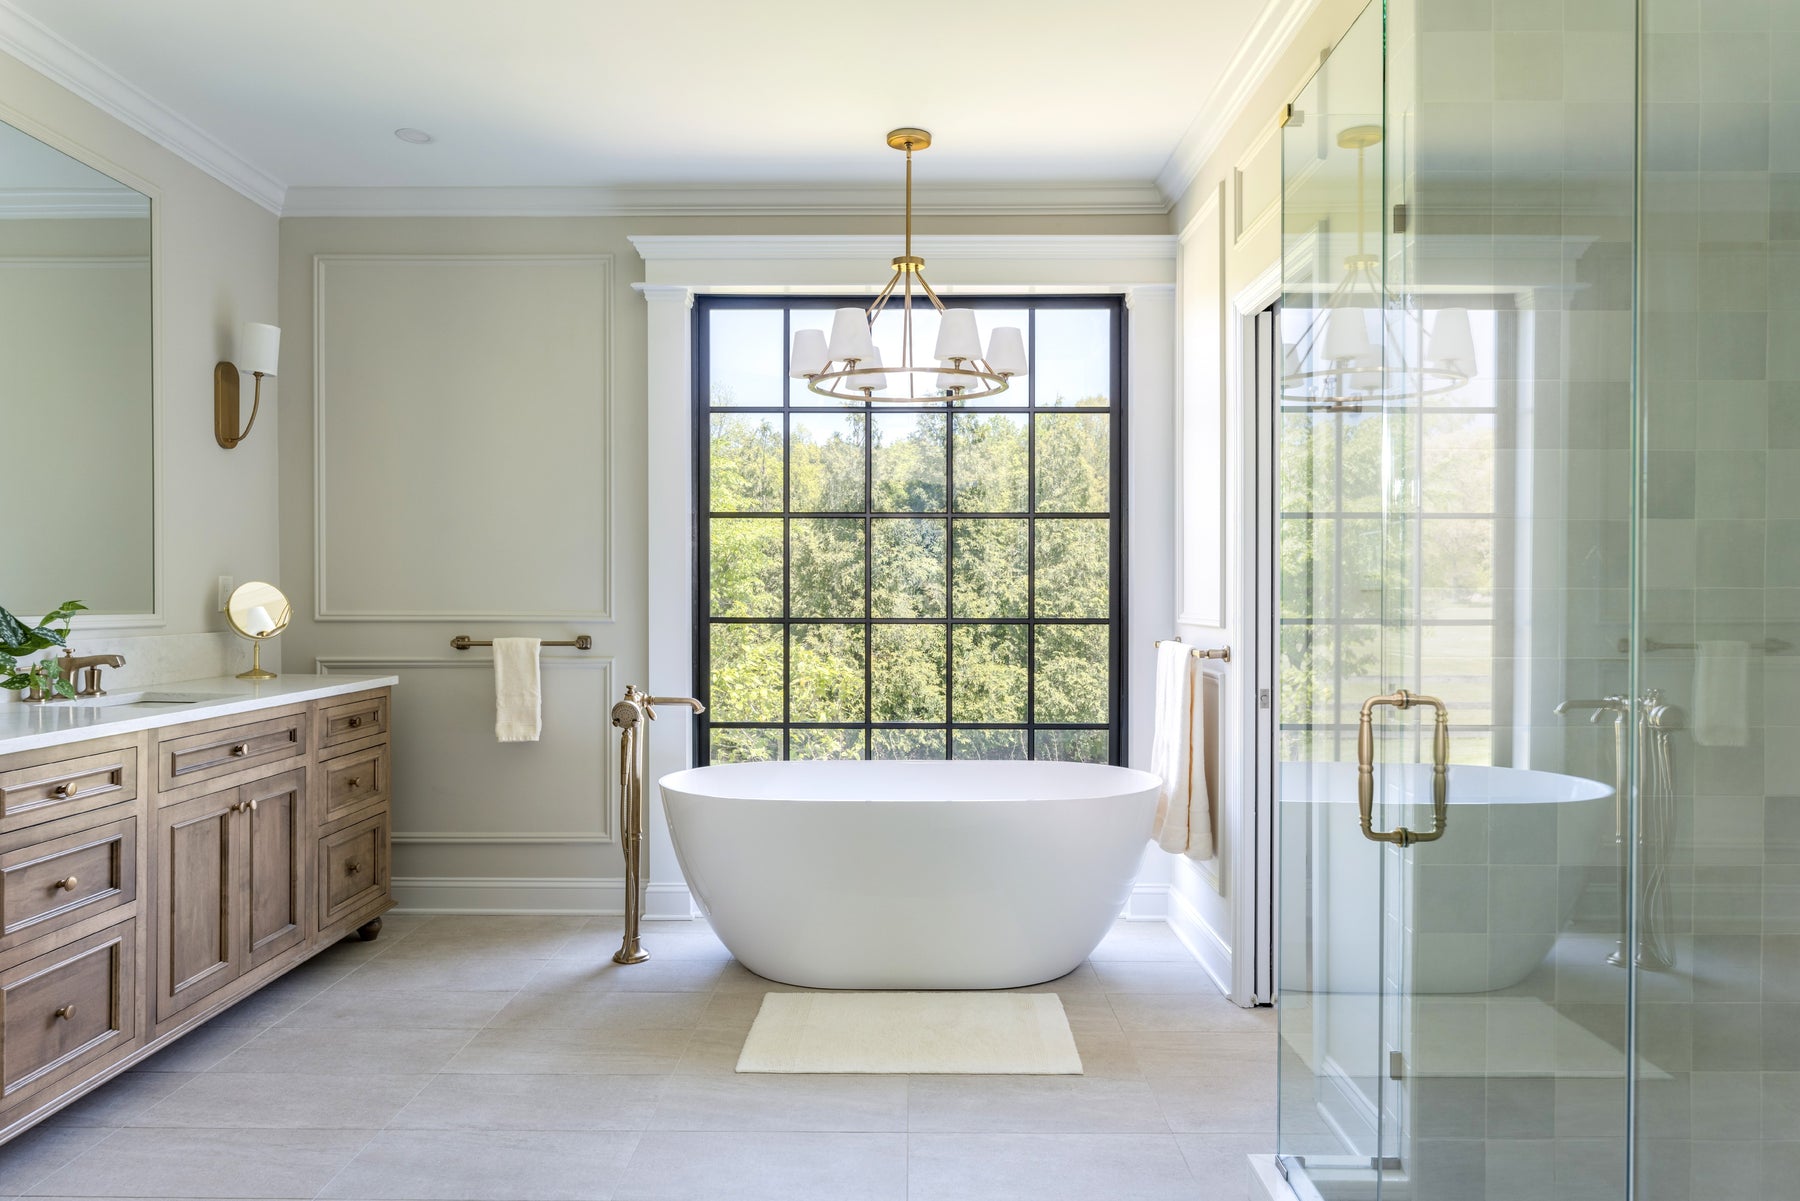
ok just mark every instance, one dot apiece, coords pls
pixel 910 581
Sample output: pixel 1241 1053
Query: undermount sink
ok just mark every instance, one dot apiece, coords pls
pixel 156 698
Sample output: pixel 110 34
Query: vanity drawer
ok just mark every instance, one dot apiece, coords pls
pixel 66 1008
pixel 187 758
pixel 353 868
pixel 62 876
pixel 354 720
pixel 40 786
pixel 355 781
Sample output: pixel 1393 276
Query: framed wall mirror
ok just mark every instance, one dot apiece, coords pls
pixel 77 397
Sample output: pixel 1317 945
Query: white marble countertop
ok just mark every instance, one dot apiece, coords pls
pixel 26 727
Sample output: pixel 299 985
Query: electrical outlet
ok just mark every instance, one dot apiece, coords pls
pixel 225 586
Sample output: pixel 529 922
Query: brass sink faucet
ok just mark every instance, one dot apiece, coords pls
pixel 89 665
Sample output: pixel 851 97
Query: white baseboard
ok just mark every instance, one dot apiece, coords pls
pixel 1147 903
pixel 1201 940
pixel 537 895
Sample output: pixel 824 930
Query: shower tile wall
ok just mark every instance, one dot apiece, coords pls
pixel 1721 370
pixel 1522 186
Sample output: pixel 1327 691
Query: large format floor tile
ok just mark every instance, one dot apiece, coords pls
pixel 471 1058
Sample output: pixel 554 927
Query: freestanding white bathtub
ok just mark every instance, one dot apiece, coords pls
pixel 910 875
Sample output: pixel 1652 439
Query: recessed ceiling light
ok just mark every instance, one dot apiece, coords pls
pixel 417 137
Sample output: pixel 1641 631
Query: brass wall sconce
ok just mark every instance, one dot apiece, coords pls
pixel 259 346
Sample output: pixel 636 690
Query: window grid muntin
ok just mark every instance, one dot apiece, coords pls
pixel 1113 412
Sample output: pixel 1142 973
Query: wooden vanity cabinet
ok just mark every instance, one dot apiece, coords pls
pixel 149 881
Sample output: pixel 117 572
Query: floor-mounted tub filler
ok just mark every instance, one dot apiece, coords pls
pixel 910 875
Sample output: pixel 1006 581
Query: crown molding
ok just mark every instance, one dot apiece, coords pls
pixel 729 200
pixel 1255 59
pixel 29 41
pixel 19 204
pixel 859 248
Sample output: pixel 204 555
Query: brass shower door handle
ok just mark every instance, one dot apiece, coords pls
pixel 1440 768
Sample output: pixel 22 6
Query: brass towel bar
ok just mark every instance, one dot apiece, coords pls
pixel 1204 652
pixel 463 642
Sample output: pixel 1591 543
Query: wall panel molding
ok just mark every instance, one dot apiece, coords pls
pixel 585 456
pixel 606 800
pixel 1201 419
pixel 598 897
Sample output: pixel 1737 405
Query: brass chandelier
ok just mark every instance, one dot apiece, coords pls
pixel 1336 366
pixel 848 366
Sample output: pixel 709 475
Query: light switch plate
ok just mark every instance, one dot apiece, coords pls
pixel 225 586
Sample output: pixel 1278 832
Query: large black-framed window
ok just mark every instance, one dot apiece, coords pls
pixel 910 580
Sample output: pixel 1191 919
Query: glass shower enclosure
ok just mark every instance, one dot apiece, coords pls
pixel 1538 546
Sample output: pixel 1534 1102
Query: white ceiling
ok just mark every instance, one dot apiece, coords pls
pixel 666 93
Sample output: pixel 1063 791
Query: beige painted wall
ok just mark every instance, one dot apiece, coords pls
pixel 463 805
pixel 1229 220
pixel 216 268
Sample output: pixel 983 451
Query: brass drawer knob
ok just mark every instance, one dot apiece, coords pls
pixel 353 782
pixel 355 722
pixel 351 868
pixel 64 791
pixel 66 1012
pixel 67 883
pixel 240 750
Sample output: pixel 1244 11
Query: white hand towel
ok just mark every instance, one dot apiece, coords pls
pixel 518 700
pixel 1722 694
pixel 1178 755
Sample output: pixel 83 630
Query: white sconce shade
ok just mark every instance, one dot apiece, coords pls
pixel 259 348
pixel 257 622
pixel 1452 342
pixel 1006 351
pixel 1346 337
pixel 1290 360
pixel 957 336
pixel 872 359
pixel 808 356
pixel 850 335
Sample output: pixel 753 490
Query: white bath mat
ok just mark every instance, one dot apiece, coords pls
pixel 912 1032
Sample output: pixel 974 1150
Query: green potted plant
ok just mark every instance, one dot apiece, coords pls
pixel 38 680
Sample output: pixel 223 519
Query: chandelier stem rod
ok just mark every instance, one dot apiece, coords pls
pixel 909 201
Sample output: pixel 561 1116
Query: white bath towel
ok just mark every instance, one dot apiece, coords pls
pixel 518 699
pixel 1722 694
pixel 1184 820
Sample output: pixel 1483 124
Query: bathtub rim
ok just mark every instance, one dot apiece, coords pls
pixel 1110 782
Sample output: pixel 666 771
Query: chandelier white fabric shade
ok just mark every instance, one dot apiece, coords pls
pixel 1006 351
pixel 1452 341
pixel 1346 336
pixel 873 383
pixel 958 337
pixel 809 355
pixel 259 348
pixel 849 335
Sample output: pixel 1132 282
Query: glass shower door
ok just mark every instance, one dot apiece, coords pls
pixel 1335 953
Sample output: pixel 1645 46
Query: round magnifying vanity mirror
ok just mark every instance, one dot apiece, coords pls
pixel 257 611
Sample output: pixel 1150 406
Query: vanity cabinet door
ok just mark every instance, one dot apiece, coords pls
pixel 272 810
pixel 199 899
